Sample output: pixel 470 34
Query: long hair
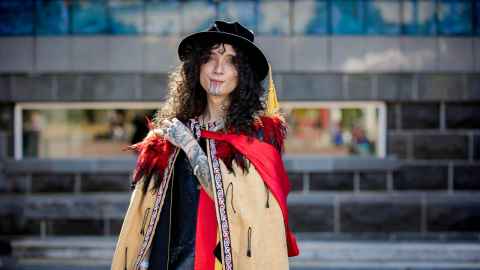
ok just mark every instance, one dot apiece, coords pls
pixel 187 99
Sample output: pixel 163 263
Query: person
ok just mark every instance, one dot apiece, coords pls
pixel 210 187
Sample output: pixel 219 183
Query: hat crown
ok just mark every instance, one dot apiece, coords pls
pixel 231 33
pixel 234 28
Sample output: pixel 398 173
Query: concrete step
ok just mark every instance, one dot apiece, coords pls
pixel 387 255
pixel 95 253
pixel 72 248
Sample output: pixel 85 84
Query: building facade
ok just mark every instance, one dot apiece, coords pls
pixel 401 75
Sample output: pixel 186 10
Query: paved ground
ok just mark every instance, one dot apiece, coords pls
pixel 31 265
pixel 67 253
pixel 292 268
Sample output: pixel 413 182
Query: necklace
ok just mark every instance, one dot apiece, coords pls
pixel 202 122
pixel 216 124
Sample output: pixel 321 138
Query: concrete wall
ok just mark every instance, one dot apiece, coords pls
pixel 299 54
pixel 431 87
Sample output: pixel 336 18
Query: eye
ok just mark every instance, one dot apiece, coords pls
pixel 230 59
pixel 211 57
pixel 205 59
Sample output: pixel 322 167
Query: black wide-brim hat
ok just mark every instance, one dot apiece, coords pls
pixel 232 33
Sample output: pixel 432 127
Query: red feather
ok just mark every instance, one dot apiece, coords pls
pixel 154 151
pixel 153 155
pixel 274 132
pixel 225 152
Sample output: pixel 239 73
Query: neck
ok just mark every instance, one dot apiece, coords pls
pixel 215 108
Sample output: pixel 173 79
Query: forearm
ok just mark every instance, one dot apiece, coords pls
pixel 198 160
pixel 179 135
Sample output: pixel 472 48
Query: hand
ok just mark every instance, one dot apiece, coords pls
pixel 176 132
pixel 179 135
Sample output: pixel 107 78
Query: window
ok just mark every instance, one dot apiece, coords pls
pixel 454 17
pixel 383 17
pixel 243 11
pixel 126 17
pixel 52 17
pixel 79 130
pixel 102 130
pixel 265 17
pixel 89 17
pixel 335 128
pixel 310 17
pixel 162 18
pixel 193 20
pixel 477 14
pixel 16 17
pixel 348 17
pixel 419 17
pixel 273 18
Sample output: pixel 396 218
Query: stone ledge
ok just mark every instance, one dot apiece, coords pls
pixel 385 254
pixel 396 214
pixel 27 166
pixel 367 85
pixel 296 198
pixel 306 163
pixel 321 197
pixel 302 163
pixel 65 206
pixel 398 237
pixel 390 252
pixel 65 248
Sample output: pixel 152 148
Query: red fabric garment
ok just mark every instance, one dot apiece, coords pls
pixel 271 130
pixel 206 234
pixel 269 164
pixel 154 153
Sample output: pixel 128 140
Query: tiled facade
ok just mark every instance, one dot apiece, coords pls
pixel 426 187
pixel 433 135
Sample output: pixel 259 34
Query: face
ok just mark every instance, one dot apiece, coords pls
pixel 219 75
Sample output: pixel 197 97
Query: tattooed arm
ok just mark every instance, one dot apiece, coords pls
pixel 179 135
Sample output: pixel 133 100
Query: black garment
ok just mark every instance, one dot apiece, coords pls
pixel 178 219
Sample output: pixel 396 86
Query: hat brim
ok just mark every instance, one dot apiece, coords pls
pixel 258 60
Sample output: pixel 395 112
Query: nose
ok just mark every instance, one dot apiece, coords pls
pixel 218 67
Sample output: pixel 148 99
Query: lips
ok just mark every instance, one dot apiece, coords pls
pixel 215 83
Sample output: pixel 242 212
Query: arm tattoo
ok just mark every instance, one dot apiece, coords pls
pixel 201 169
pixel 179 134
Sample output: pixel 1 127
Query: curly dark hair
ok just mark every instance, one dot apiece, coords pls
pixel 187 99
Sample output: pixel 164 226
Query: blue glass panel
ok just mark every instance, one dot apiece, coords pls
pixel 348 17
pixel 126 17
pixel 51 17
pixel 274 17
pixel 454 17
pixel 419 17
pixel 89 17
pixel 241 11
pixel 383 17
pixel 477 15
pixel 197 15
pixel 162 18
pixel 310 17
pixel 16 17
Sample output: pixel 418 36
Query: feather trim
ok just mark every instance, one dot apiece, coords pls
pixel 153 156
pixel 269 129
pixel 274 131
pixel 154 151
